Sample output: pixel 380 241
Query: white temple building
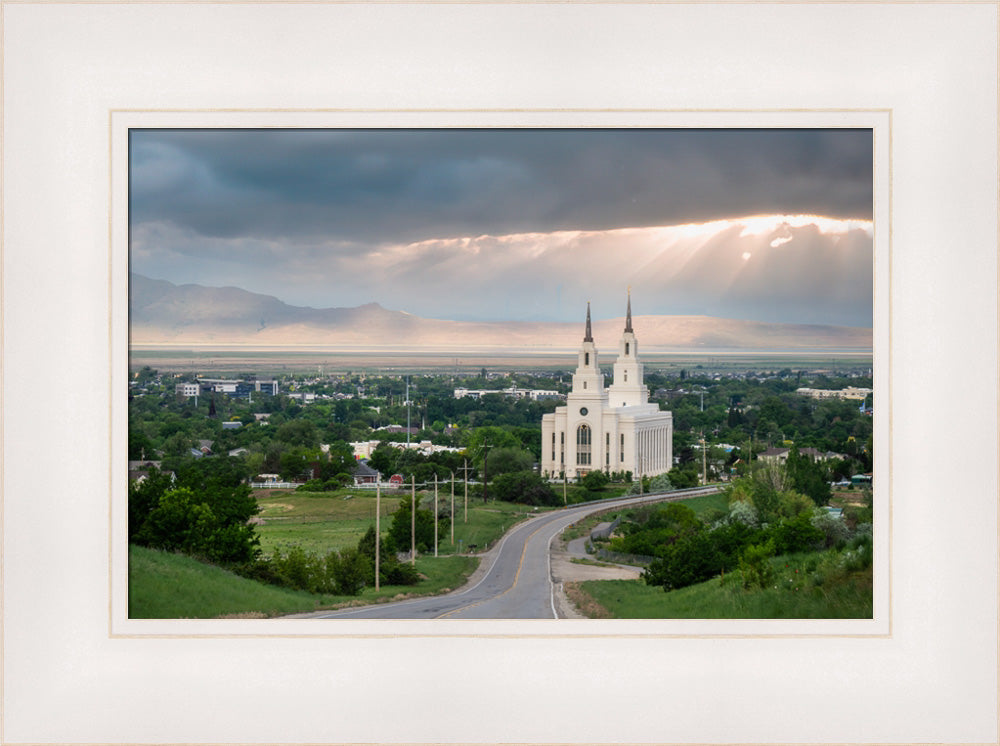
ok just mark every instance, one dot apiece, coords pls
pixel 613 429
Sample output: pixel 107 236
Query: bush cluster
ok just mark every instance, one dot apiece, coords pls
pixel 343 573
pixel 762 522
pixel 203 511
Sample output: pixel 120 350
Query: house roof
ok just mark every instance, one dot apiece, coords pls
pixel 364 470
pixel 774 452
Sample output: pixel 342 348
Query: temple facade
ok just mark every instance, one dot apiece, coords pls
pixel 613 428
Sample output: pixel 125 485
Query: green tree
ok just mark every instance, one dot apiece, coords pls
pixel 808 477
pixel 297 462
pixel 179 522
pixel 595 480
pixel 143 497
pixel 347 571
pixel 391 570
pixel 524 487
pixel 755 565
pixel 400 529
pixel 299 432
pixel 484 439
pixel 692 559
pixel 507 460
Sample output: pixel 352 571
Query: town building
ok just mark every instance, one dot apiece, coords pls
pixel 851 392
pixel 188 389
pixel 614 428
pixel 512 393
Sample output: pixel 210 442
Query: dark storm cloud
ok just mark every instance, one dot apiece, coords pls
pixel 358 189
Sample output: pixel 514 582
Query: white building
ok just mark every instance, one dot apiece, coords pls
pixel 512 392
pixel 612 429
pixel 851 392
pixel 188 389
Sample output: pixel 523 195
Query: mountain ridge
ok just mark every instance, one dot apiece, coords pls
pixel 164 313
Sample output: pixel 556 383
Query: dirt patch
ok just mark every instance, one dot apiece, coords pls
pixel 285 506
pixel 563 569
pixel 584 603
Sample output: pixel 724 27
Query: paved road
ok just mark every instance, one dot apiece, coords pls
pixel 517 581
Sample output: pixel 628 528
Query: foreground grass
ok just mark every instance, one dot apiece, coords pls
pixel 790 595
pixel 163 585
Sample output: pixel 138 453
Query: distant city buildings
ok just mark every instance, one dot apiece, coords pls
pixel 780 455
pixel 238 389
pixel 851 392
pixel 364 449
pixel 513 392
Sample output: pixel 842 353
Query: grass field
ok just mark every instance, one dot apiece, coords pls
pixel 163 585
pixel 323 521
pixel 793 594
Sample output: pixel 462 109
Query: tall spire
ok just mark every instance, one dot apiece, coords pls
pixel 628 314
pixel 588 337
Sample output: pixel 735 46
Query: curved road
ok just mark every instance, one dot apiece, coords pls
pixel 517 582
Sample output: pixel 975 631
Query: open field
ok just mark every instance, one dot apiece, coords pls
pixel 273 361
pixel 320 522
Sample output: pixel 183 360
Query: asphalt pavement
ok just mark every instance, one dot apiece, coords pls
pixel 514 580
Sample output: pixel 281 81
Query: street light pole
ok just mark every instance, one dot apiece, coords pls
pixel 452 511
pixel 435 514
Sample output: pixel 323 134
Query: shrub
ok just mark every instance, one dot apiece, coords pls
pixel 755 566
pixel 347 572
pixel 595 480
pixel 796 534
pixel 835 530
pixel 524 487
pixel 391 570
pixel 423 531
pixel 691 559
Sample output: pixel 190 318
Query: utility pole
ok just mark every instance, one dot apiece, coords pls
pixel 486 478
pixel 407 412
pixel 704 461
pixel 565 500
pixel 435 514
pixel 465 473
pixel 453 511
pixel 378 528
pixel 413 520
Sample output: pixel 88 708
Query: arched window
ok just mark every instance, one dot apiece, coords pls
pixel 583 445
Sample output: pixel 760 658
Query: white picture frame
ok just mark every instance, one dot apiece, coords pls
pixel 925 74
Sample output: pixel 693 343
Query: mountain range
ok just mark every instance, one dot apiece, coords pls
pixel 162 313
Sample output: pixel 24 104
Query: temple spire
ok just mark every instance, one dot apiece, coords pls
pixel 628 313
pixel 588 336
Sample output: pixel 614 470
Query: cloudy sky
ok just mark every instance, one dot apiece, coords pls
pixel 769 225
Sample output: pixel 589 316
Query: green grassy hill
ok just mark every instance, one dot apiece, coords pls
pixel 164 585
pixel 801 588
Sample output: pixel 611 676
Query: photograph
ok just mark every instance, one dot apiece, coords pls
pixel 501 373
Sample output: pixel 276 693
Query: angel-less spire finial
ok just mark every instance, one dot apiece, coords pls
pixel 628 313
pixel 588 337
